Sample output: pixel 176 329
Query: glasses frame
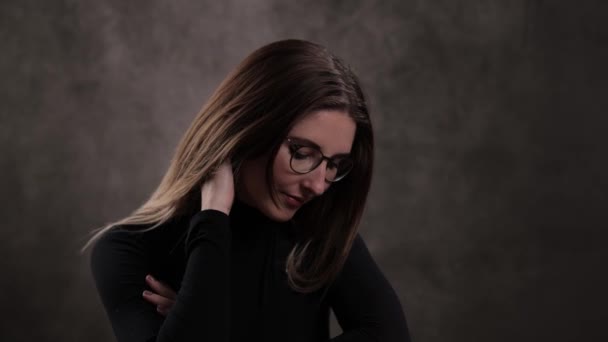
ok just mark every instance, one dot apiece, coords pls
pixel 297 145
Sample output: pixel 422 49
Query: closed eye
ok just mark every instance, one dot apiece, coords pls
pixel 300 156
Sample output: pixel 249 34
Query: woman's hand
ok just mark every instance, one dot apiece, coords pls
pixel 218 192
pixel 161 295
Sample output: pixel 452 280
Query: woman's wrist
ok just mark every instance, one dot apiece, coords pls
pixel 216 207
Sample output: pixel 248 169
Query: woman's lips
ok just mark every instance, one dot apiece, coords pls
pixel 292 201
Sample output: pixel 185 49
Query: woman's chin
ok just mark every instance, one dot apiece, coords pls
pixel 280 214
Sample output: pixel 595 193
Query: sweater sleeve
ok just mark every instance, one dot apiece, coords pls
pixel 120 262
pixel 365 304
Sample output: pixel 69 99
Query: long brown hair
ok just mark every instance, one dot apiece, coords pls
pixel 251 113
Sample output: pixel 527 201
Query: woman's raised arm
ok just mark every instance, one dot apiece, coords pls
pixel 121 259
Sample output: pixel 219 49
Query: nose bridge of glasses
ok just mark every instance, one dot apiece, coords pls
pixel 314 178
pixel 324 172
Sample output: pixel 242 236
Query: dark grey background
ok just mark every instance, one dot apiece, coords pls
pixel 489 198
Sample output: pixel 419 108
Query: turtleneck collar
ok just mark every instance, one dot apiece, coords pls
pixel 243 211
pixel 242 215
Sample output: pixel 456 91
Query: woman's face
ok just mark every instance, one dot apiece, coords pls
pixel 333 131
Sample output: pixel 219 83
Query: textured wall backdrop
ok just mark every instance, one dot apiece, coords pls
pixel 489 199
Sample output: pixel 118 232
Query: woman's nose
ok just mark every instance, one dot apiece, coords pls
pixel 315 179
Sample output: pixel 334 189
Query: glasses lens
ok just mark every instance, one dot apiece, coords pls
pixel 338 169
pixel 304 159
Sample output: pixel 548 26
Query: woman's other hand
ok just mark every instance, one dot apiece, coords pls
pixel 161 295
pixel 218 192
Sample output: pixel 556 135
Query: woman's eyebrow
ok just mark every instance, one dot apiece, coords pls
pixel 310 143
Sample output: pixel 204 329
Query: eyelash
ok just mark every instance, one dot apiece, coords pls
pixel 299 155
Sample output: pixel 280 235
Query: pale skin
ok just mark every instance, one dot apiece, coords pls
pixel 333 131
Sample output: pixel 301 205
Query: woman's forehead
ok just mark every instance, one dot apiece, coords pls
pixel 331 130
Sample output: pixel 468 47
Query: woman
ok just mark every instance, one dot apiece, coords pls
pixel 252 232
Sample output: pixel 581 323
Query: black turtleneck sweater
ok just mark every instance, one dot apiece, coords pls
pixel 229 275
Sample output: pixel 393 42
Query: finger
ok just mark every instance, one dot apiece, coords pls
pixel 157 299
pixel 160 288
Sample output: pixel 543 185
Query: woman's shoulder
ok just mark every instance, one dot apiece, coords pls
pixel 138 238
pixel 359 258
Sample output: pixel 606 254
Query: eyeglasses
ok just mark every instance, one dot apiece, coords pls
pixel 305 158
